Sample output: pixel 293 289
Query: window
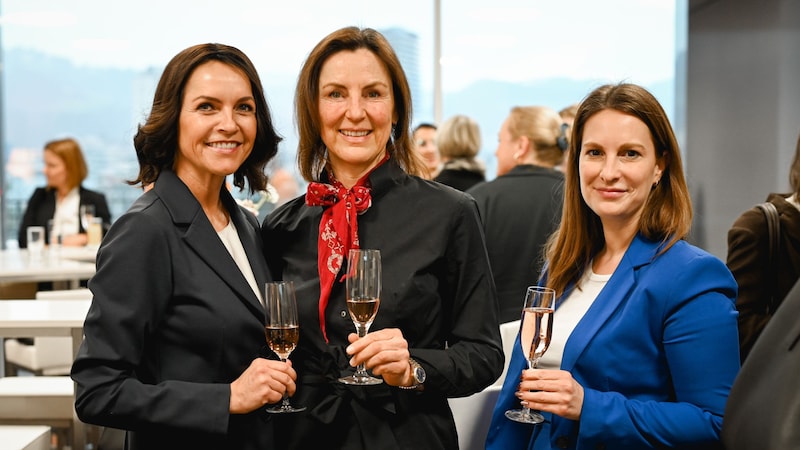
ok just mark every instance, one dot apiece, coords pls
pixel 83 70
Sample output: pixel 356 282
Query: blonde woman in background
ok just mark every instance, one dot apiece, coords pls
pixel 522 206
pixel 459 140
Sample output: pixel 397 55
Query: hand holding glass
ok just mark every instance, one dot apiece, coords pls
pixel 282 330
pixel 534 336
pixel 363 288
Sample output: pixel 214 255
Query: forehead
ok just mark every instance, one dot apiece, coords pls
pixel 613 124
pixel 360 65
pixel 217 74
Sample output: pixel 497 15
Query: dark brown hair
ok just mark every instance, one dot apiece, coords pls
pixel 156 140
pixel 311 151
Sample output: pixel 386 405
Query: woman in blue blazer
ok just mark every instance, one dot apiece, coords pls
pixel 645 327
pixel 176 325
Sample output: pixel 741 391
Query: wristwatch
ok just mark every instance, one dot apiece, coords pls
pixel 418 372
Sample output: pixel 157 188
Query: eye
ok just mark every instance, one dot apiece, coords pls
pixel 592 152
pixel 246 107
pixel 373 94
pixel 335 94
pixel 205 107
pixel 630 153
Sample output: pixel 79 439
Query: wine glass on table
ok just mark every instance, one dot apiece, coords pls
pixel 363 290
pixel 282 330
pixel 87 215
pixel 534 336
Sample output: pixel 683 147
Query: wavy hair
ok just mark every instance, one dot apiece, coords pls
pixel 156 141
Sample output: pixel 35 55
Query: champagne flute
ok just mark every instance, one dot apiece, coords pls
pixel 534 336
pixel 363 287
pixel 87 214
pixel 282 330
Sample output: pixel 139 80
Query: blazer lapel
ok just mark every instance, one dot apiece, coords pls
pixel 201 237
pixel 614 294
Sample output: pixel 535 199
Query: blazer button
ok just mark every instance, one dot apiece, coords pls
pixel 343 314
pixel 562 442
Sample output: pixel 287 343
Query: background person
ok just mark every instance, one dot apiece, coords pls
pixel 424 136
pixel 644 348
pixel 459 141
pixel 60 200
pixel 522 206
pixel 176 325
pixel 758 278
pixel 436 333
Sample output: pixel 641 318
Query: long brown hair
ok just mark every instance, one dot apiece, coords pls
pixel 667 214
pixel 311 151
pixel 156 141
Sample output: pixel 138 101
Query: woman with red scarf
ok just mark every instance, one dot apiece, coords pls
pixel 436 333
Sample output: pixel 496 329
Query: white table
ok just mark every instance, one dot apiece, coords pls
pixel 24 437
pixel 17 266
pixel 31 318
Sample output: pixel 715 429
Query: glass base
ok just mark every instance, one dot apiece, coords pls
pixel 280 409
pixel 360 380
pixel 524 416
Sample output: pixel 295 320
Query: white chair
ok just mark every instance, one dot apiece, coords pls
pixel 48 355
pixel 473 414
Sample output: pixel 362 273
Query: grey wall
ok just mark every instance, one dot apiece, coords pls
pixel 742 108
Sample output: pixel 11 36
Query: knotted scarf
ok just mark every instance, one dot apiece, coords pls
pixel 338 229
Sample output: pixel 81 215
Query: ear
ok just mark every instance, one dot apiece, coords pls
pixel 661 165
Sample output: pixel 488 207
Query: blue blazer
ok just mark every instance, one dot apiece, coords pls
pixel 656 354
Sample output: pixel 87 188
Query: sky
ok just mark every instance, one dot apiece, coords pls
pixel 512 40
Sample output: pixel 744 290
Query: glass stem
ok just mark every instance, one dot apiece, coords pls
pixel 361 369
pixel 531 365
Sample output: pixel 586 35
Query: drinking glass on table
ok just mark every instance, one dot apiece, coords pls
pixel 282 330
pixel 35 236
pixel 363 290
pixel 534 336
pixel 87 214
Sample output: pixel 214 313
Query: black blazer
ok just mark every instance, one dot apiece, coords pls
pixel 42 205
pixel 519 211
pixel 172 323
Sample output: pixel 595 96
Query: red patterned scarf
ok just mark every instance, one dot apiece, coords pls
pixel 338 229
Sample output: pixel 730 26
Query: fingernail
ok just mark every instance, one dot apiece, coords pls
pixel 349 349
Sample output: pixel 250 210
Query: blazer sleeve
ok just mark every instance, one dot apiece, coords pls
pixel 693 321
pixel 748 260
pixel 132 290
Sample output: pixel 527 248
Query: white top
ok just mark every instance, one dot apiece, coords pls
pixel 65 219
pixel 234 245
pixel 569 313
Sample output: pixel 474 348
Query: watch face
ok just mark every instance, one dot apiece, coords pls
pixel 419 375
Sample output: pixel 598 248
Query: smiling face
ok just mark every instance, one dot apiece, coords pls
pixel 356 110
pixel 617 166
pixel 217 124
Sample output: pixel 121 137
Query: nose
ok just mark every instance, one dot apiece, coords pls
pixel 610 170
pixel 227 121
pixel 355 108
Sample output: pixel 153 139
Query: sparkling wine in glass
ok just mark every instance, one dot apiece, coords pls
pixel 282 330
pixel 363 287
pixel 534 336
